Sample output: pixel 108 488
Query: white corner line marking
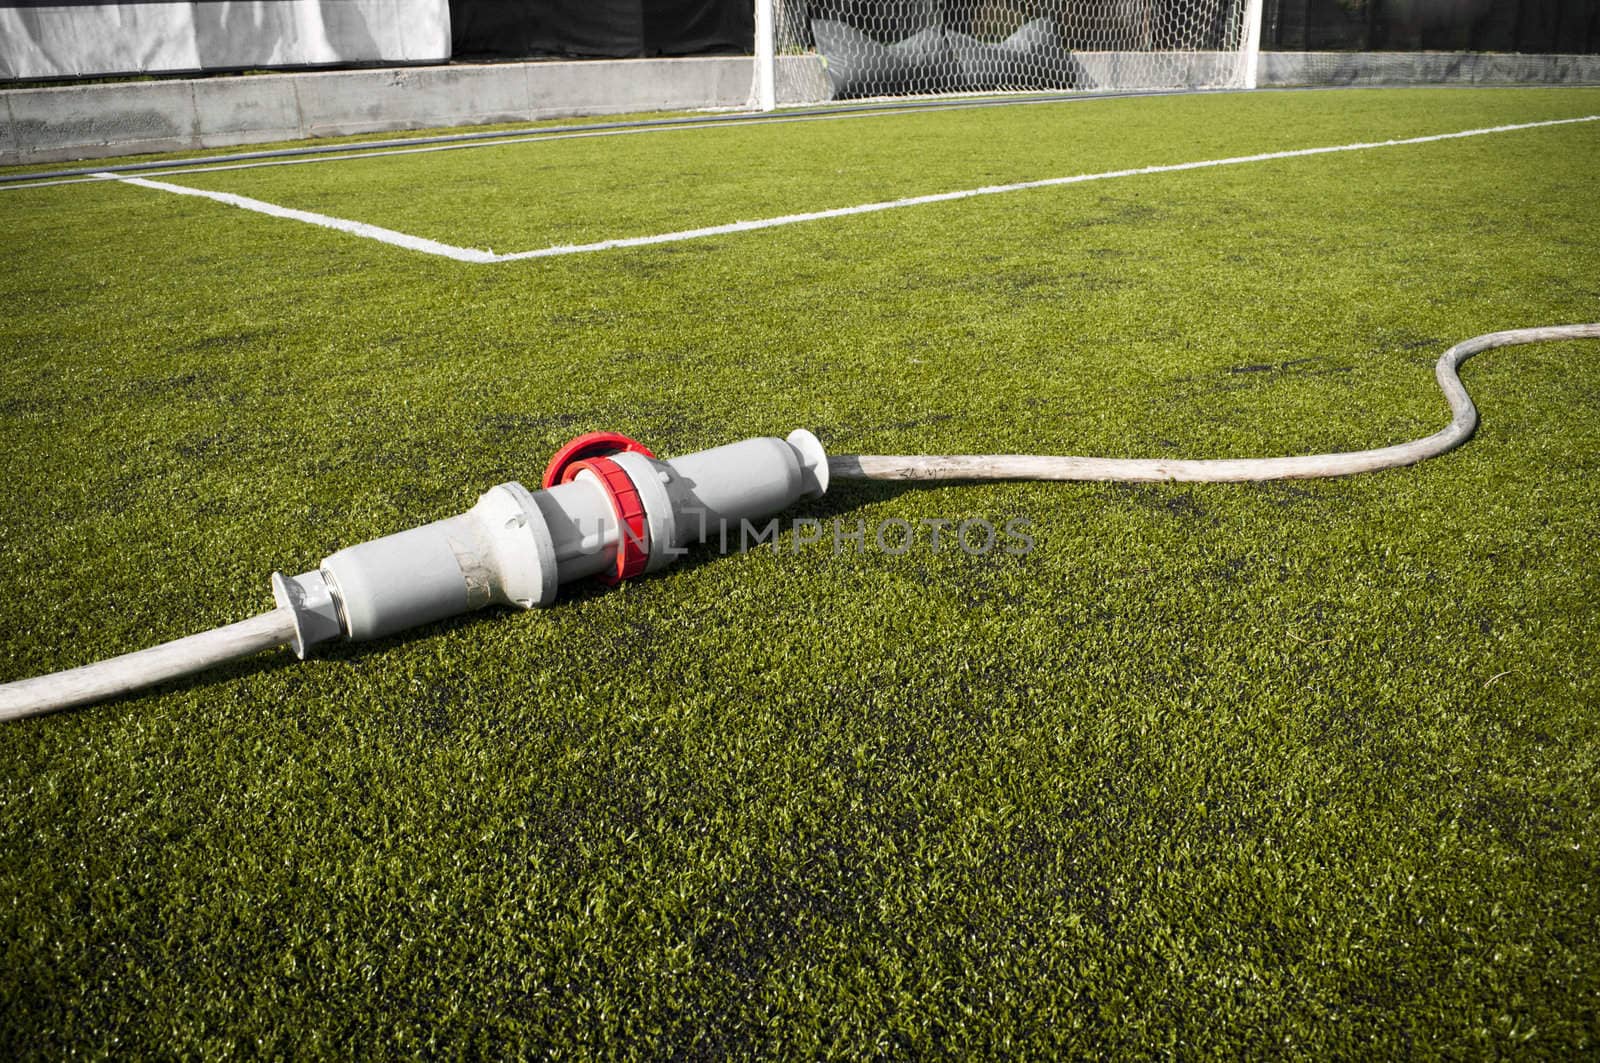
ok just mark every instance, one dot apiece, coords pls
pixel 467 254
pixel 355 228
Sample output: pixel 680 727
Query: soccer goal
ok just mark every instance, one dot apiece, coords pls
pixel 808 51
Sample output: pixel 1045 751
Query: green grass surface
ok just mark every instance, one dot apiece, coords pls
pixel 365 141
pixel 1215 770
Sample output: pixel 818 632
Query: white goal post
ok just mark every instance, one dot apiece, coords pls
pixel 808 51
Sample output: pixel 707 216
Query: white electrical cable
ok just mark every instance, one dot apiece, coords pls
pixel 135 671
pixel 1214 470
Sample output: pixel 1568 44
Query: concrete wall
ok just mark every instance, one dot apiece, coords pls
pixel 96 121
pixel 1426 68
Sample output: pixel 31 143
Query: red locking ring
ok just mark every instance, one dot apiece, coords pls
pixel 633 530
pixel 589 445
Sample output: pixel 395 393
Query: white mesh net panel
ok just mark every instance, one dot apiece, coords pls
pixel 854 49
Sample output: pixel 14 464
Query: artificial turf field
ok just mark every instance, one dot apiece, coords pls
pixel 1301 769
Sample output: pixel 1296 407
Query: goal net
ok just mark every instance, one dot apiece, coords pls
pixel 808 51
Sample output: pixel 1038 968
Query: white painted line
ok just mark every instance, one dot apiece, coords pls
pixel 1021 186
pixel 466 254
pixel 356 151
pixel 355 228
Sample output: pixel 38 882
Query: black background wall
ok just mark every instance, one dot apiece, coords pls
pixel 503 29
pixel 514 29
pixel 1535 26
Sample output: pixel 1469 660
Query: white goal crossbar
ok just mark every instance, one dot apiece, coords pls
pixel 809 51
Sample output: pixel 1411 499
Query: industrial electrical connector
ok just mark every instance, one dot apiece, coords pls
pixel 608 508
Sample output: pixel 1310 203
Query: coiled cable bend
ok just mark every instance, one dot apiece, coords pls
pixel 1215 470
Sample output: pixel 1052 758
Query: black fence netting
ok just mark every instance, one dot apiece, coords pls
pixel 1529 26
pixel 517 29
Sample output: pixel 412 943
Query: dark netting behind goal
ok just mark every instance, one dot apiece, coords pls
pixel 847 49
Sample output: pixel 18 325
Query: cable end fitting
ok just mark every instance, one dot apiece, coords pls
pixel 813 461
pixel 316 614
